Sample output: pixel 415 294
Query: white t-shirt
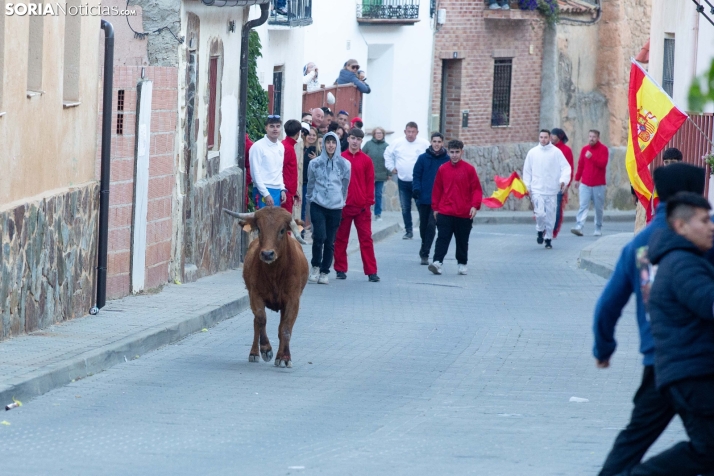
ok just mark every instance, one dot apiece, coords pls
pixel 266 165
pixel 402 155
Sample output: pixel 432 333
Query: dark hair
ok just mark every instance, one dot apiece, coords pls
pixel 359 124
pixel 412 124
pixel 684 205
pixel 273 119
pixel 343 113
pixel 544 130
pixel 560 134
pixel 595 131
pixel 356 133
pixel 333 126
pixel 437 134
pixel 331 138
pixel 292 127
pixel 309 113
pixel 455 144
pixel 678 177
pixel 672 154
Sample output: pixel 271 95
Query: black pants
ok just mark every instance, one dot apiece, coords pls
pixel 692 400
pixel 651 415
pixel 449 226
pixel 427 229
pixel 325 223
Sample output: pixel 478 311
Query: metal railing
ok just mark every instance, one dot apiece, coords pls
pixel 290 13
pixel 388 9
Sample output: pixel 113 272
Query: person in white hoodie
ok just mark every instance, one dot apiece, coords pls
pixel 545 173
pixel 400 157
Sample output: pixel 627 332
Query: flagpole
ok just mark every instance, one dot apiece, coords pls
pixel 701 131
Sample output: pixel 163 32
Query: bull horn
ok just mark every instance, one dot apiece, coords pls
pixel 240 216
pixel 296 232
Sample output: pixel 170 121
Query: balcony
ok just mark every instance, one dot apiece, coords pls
pixel 387 12
pixel 290 13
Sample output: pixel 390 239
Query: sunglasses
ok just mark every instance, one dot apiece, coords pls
pixel 356 66
pixel 271 116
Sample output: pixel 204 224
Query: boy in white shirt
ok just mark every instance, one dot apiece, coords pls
pixel 266 166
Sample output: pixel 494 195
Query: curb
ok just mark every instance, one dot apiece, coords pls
pixel 596 268
pixel 484 219
pixel 97 360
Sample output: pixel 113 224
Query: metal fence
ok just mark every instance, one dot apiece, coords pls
pixel 290 13
pixel 388 9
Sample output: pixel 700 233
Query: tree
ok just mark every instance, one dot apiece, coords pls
pixel 701 92
pixel 257 108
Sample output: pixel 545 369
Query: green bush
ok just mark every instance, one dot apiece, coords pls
pixel 701 92
pixel 257 109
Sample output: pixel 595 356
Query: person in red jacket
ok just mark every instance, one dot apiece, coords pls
pixel 290 165
pixel 592 168
pixel 559 139
pixel 360 197
pixel 248 179
pixel 455 199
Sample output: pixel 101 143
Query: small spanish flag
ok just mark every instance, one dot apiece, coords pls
pixel 654 119
pixel 504 187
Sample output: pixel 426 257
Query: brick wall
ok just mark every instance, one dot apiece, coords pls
pixel 477 41
pixel 161 177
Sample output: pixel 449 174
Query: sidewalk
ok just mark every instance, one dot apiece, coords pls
pixel 600 257
pixel 125 329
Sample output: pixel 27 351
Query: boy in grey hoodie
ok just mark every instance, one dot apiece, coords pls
pixel 328 178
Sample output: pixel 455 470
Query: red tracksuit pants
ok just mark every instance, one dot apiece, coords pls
pixel 363 222
pixel 288 204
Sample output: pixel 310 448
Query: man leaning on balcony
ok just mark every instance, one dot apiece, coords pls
pixel 348 75
pixel 497 5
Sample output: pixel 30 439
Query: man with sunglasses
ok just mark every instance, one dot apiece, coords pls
pixel 348 75
pixel 266 165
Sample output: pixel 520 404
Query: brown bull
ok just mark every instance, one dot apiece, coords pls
pixel 275 272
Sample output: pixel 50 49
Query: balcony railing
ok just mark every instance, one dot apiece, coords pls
pixel 290 13
pixel 388 11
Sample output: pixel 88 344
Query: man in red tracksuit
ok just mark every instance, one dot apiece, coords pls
pixel 290 165
pixel 455 199
pixel 360 196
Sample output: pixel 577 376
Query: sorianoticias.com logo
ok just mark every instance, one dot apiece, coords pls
pixel 58 8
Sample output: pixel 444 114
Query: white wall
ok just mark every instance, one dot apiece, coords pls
pixel 693 44
pixel 396 58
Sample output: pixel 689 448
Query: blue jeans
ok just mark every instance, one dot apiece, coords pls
pixel 303 211
pixel 280 4
pixel 597 196
pixel 378 190
pixel 405 201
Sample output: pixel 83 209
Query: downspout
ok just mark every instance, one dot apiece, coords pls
pixel 243 91
pixel 105 167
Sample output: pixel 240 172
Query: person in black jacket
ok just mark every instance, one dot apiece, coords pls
pixel 681 309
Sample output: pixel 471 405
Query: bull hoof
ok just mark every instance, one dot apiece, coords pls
pixel 284 363
pixel 253 358
pixel 267 355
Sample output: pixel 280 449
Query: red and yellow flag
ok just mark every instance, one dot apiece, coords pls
pixel 654 119
pixel 504 187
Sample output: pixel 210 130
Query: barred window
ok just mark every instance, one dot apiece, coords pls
pixel 501 105
pixel 668 69
pixel 120 114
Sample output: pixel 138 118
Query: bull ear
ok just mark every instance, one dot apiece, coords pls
pixel 246 220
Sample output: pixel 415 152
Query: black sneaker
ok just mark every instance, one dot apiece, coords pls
pixel 341 275
pixel 408 236
pixel 425 260
pixel 548 246
pixel 373 278
pixel 540 238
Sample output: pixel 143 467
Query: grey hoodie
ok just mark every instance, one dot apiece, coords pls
pixel 328 178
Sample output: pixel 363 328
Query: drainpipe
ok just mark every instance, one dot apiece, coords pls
pixel 243 92
pixel 105 168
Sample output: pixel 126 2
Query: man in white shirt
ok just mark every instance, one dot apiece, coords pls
pixel 266 166
pixel 545 173
pixel 400 158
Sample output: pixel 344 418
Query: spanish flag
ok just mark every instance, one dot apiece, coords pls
pixel 504 187
pixel 654 119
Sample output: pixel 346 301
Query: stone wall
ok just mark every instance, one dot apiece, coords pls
pixel 48 264
pixel 212 237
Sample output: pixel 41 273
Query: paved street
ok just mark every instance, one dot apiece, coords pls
pixel 419 374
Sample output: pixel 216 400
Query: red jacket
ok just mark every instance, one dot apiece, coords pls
pixel 592 171
pixel 360 192
pixel 568 153
pixel 248 145
pixel 456 190
pixel 290 167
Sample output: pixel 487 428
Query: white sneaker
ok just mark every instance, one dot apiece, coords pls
pixel 597 233
pixel 314 274
pixel 378 218
pixel 435 267
pixel 323 279
pixel 463 269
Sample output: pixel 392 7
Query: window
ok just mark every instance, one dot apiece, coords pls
pixel 34 53
pixel 278 90
pixel 501 104
pixel 212 90
pixel 668 67
pixel 120 114
pixel 72 33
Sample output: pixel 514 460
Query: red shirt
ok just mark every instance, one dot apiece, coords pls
pixel 360 192
pixel 592 171
pixel 568 153
pixel 290 167
pixel 456 190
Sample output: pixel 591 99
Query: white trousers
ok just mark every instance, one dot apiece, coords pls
pixel 545 208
